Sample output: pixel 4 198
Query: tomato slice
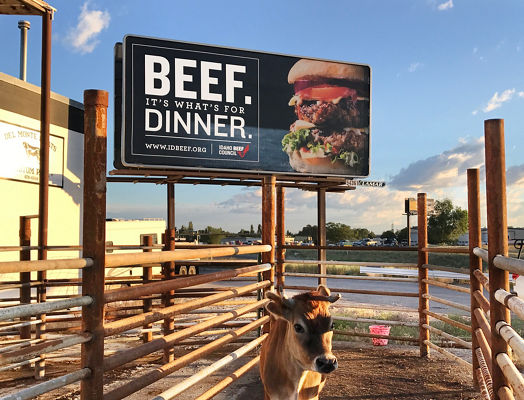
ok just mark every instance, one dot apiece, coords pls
pixel 327 93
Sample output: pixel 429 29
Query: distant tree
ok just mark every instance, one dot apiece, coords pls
pixel 251 230
pixel 447 223
pixel 388 235
pixel 288 233
pixel 336 231
pixel 213 235
pixel 309 230
pixel 402 234
pixel 190 226
pixel 243 232
pixel 259 230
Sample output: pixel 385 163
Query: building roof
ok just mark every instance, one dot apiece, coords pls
pixel 25 7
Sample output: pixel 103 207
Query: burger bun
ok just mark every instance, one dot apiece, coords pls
pixel 304 162
pixel 311 69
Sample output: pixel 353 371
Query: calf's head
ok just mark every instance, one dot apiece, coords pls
pixel 309 328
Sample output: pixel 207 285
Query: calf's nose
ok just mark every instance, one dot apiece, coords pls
pixel 326 364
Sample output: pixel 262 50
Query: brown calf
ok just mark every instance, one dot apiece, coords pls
pixel 296 356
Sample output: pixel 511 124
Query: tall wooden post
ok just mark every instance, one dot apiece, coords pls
pixel 93 238
pixel 475 263
pixel 321 240
pixel 281 238
pixel 268 224
pixel 147 276
pixel 423 303
pixel 168 268
pixel 268 231
pixel 43 188
pixel 497 237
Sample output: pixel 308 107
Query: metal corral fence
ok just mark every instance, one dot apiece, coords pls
pixel 230 323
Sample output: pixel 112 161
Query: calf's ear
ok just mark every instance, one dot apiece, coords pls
pixel 324 291
pixel 279 307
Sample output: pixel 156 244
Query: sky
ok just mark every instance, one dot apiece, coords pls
pixel 439 69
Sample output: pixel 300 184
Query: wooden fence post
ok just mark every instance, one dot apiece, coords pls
pixel 475 263
pixel 321 240
pixel 497 238
pixel 25 277
pixel 423 302
pixel 147 276
pixel 93 239
pixel 281 238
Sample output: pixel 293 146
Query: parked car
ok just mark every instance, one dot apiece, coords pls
pixel 368 242
pixel 391 242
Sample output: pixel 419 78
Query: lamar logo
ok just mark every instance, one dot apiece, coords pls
pixel 243 152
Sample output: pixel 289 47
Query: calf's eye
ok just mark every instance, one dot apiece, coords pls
pixel 298 328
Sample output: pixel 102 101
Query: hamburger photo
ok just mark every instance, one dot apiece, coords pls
pixel 331 133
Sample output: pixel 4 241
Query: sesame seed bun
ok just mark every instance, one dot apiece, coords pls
pixel 309 69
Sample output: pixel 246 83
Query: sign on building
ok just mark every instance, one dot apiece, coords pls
pixel 194 106
pixel 20 155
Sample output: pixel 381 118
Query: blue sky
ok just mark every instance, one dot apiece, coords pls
pixel 439 69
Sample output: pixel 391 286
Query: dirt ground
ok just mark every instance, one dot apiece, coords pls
pixel 365 372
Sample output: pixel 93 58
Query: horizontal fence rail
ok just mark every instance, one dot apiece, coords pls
pixel 45 387
pixel 44 265
pixel 355 263
pixel 173 284
pixel 28 310
pixel 119 260
pixel 513 265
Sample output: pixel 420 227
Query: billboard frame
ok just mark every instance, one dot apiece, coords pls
pixel 121 163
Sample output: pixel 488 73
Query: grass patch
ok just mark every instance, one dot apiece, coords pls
pixel 331 269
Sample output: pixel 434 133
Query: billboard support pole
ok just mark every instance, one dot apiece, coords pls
pixel 321 238
pixel 168 268
pixel 268 230
pixel 281 238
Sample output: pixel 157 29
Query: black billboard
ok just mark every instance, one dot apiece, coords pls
pixel 193 106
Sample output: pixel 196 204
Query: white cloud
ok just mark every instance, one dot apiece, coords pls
pixel 443 170
pixel 83 37
pixel 520 94
pixel 515 175
pixel 445 6
pixel 497 100
pixel 415 66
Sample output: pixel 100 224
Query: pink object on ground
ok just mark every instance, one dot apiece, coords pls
pixel 379 330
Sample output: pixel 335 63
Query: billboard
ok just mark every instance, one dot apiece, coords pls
pixel 192 106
